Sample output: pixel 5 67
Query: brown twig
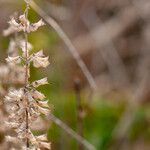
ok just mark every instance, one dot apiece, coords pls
pixel 71 132
pixel 80 111
pixel 50 21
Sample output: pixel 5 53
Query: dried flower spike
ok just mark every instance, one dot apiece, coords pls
pixel 26 104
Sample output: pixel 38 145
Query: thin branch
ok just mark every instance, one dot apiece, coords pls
pixel 68 43
pixel 79 109
pixel 71 132
pixel 108 52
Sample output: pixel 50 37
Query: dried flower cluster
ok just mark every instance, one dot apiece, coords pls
pixel 10 75
pixel 26 104
pixel 24 25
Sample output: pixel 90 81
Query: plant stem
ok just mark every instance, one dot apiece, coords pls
pixel 77 87
pixel 71 132
pixel 26 78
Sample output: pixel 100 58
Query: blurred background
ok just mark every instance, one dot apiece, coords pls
pixel 113 40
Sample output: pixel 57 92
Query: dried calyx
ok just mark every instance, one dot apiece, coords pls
pixel 23 25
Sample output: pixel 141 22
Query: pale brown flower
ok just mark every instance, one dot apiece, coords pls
pixel 14 60
pixel 39 60
pixel 40 82
pixel 26 104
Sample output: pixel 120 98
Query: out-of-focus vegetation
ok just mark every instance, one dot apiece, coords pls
pixel 113 97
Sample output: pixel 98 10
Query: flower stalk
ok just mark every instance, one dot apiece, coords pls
pixel 26 73
pixel 27 103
